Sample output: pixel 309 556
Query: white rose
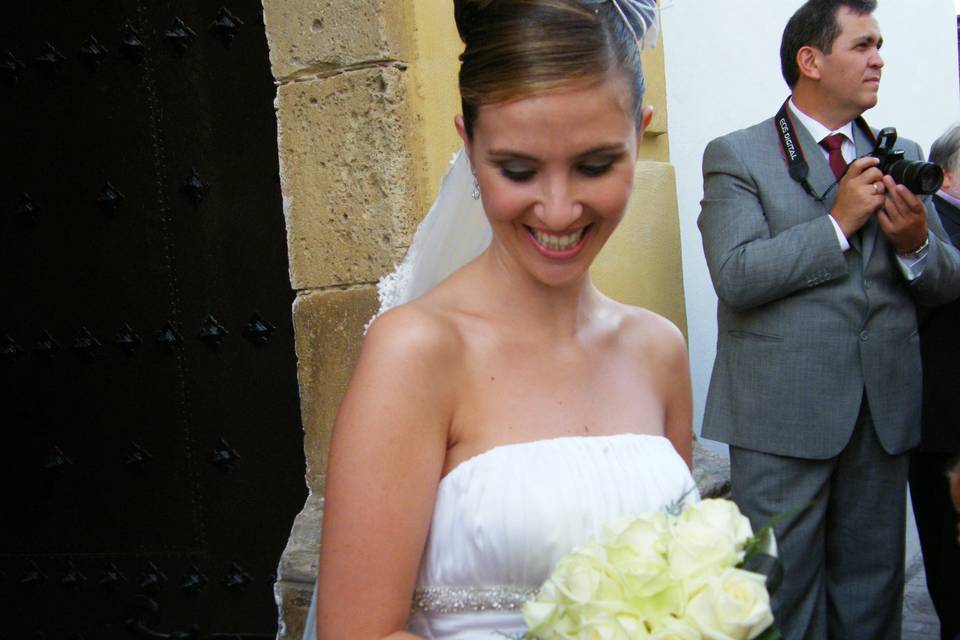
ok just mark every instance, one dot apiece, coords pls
pixel 732 606
pixel 585 576
pixel 547 617
pixel 598 624
pixel 638 551
pixel 543 610
pixel 708 537
pixel 670 628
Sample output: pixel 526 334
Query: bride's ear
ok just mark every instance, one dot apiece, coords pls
pixel 462 132
pixel 646 116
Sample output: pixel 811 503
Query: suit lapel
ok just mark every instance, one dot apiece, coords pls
pixel 949 216
pixel 868 234
pixel 821 175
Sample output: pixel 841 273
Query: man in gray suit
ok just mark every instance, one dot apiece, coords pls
pixel 817 380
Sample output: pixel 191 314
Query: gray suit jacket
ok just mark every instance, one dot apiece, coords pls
pixel 804 328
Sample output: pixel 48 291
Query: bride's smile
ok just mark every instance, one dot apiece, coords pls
pixel 559 246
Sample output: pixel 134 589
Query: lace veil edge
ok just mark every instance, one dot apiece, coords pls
pixel 454 232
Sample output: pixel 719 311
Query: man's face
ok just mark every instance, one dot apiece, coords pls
pixel 850 73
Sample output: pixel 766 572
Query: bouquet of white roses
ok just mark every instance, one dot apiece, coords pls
pixel 663 576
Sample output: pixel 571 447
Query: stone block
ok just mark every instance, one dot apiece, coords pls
pixel 298 569
pixel 640 264
pixel 318 37
pixel 293 603
pixel 711 472
pixel 656 91
pixel 299 560
pixel 329 332
pixel 348 180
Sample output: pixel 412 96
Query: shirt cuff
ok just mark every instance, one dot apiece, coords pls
pixel 912 264
pixel 841 238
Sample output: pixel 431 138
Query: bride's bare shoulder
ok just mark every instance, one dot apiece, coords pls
pixel 413 330
pixel 648 332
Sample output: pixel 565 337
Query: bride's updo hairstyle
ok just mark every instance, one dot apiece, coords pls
pixel 517 48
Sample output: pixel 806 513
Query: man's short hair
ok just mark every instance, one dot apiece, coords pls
pixel 945 152
pixel 814 24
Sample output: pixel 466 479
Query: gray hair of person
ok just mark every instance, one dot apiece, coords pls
pixel 814 24
pixel 945 152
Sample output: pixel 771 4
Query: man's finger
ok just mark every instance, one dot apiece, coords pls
pixel 906 201
pixel 860 165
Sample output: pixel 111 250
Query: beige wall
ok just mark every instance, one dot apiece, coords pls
pixel 641 263
pixel 365 104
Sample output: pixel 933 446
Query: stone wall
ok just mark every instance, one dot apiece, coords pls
pixel 366 94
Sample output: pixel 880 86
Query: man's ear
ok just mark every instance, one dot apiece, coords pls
pixel 949 179
pixel 808 62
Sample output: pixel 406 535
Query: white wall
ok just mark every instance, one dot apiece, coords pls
pixel 723 73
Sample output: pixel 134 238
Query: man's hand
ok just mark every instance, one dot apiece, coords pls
pixel 903 218
pixel 859 195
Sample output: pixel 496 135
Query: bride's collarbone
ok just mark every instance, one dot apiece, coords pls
pixel 514 408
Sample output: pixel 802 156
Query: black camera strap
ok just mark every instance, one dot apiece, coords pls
pixel 793 153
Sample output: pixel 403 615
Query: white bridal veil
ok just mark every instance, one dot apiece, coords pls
pixel 454 232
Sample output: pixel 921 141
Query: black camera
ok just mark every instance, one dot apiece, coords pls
pixel 920 177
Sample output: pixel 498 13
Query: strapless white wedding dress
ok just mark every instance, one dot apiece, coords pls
pixel 503 519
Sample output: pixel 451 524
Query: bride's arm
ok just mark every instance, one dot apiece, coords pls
pixel 675 385
pixel 386 459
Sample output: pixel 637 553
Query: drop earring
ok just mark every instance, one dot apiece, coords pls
pixel 475 192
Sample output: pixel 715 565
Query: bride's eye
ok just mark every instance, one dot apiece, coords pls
pixel 516 172
pixel 595 167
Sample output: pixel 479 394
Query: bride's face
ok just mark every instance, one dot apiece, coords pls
pixel 555 172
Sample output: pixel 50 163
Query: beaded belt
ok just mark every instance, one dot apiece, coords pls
pixel 460 599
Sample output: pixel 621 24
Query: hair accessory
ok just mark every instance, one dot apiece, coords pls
pixel 646 15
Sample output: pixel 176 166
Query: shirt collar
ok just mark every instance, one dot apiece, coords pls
pixel 955 201
pixel 817 130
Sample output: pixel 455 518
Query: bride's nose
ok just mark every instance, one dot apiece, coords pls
pixel 557 208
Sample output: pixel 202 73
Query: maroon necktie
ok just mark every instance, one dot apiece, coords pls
pixel 833 145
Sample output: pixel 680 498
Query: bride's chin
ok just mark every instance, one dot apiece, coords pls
pixel 561 275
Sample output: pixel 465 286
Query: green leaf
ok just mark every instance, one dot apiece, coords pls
pixel 770 634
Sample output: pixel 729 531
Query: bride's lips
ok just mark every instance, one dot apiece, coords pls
pixel 562 246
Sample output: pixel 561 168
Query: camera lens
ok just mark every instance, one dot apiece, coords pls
pixel 919 177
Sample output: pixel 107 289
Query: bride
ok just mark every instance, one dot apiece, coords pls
pixel 501 418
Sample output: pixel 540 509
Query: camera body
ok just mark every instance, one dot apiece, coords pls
pixel 918 176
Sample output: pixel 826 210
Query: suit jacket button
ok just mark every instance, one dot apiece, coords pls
pixel 867 284
pixel 863 336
